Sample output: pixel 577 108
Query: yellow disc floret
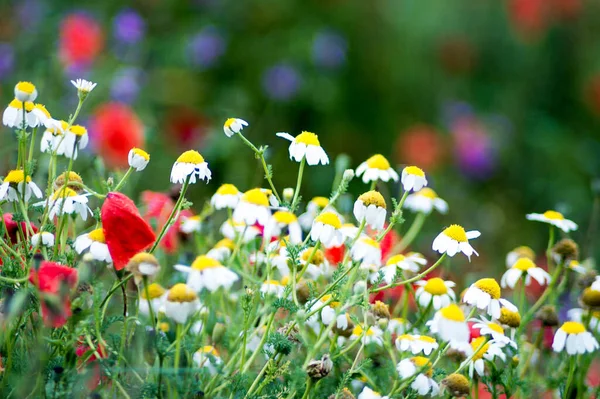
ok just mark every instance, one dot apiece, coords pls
pixel 19 105
pixel 256 196
pixel 573 327
pixel 25 87
pixel 453 312
pixel 372 198
pixel 42 108
pixel 321 202
pixel 316 256
pixel 510 318
pixel 413 170
pixel 154 291
pixel 63 193
pixel 395 259
pixel 78 130
pixel 97 235
pixel 553 215
pixel 16 176
pixel 435 286
pixel 227 189
pixel 191 156
pixel 181 293
pixel 378 161
pixel 141 153
pixel 523 264
pixel 456 232
pixel 489 286
pixel 427 193
pixel 203 262
pixel 329 218
pixel 476 343
pixel 284 217
pixel 225 243
pixel 307 138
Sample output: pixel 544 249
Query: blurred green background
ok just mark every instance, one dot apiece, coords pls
pixel 497 100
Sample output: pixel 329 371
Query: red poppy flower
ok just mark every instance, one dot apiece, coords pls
pixel 420 145
pixel 13 227
pixel 116 129
pixel 475 332
pixel 530 17
pixel 335 254
pixel 54 281
pixel 126 232
pixel 81 39
pixel 82 350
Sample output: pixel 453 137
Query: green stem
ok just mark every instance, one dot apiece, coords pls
pixel 260 154
pixel 411 234
pixel 298 183
pixel 570 376
pixel 178 346
pixel 541 299
pixel 309 386
pixel 124 179
pixel 174 212
pixel 413 279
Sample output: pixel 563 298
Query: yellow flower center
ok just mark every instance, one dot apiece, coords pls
pixel 413 170
pixel 154 290
pixel 406 337
pixel 209 349
pixel 456 232
pixel 164 327
pixel 256 197
pixel 420 361
pixel 489 286
pixel 329 218
pixel 553 215
pixel 78 130
pixel 181 293
pixel 16 176
pixel 427 193
pixel 523 264
pixel 225 243
pixel 317 258
pixel 19 105
pixel 436 286
pixel 453 312
pixel 203 262
pixel 573 327
pixel 25 87
pixel 192 157
pixel 141 153
pixel 63 193
pixel 510 318
pixel 395 259
pixel 57 132
pixel 332 304
pixel 427 339
pixel 496 327
pixel 476 343
pixel 272 282
pixel 524 252
pixel 358 330
pixel 321 202
pixel 144 257
pixel 97 235
pixel 307 138
pixel 285 280
pixel 370 242
pixel 43 109
pixel 229 122
pixel 378 161
pixel 228 189
pixel 284 217
pixel 372 198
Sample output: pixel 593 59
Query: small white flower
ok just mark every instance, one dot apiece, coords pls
pixel 190 165
pixel 574 338
pixel 368 393
pixel 318 265
pixel 518 253
pixel 13 115
pixel 190 224
pixel 436 292
pixel 371 208
pixel 273 287
pixel 138 159
pixel 44 239
pixel 398 326
pixel 524 267
pixel 253 207
pixel 423 383
pixel 232 229
pixel 181 303
pixel 158 297
pixel 486 350
pixel 233 126
pixel 222 250
pixel 15 186
pixel 449 323
pixel 367 251
pixel 83 85
pixel 494 330
pixel 25 91
pixel 373 335
pixel 376 168
pixel 306 145
pixel 554 218
pixel 281 221
pixel 76 138
pixel 66 201
pixel 226 196
pixel 53 138
pixel 485 294
pixel 314 207
pixel 425 200
pixel 96 243
pixel 416 344
pixel 455 239
pixel 413 178
pixel 326 229
pixel 208 273
pixel 578 315
pixel 208 357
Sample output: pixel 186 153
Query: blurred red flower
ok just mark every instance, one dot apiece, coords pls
pixel 185 127
pixel 158 208
pixel 420 145
pixel 116 130
pixel 81 351
pixel 81 39
pixel 54 281
pixel 13 227
pixel 126 232
pixel 530 17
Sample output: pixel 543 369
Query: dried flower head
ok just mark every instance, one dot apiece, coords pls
pixel 456 385
pixel 75 182
pixel 565 251
pixel 548 316
pixel 590 298
pixel 380 310
pixel 143 265
pixel 318 369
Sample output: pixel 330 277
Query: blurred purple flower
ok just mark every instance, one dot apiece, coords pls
pixel 474 147
pixel 129 27
pixel 329 50
pixel 206 47
pixel 30 13
pixel 281 82
pixel 125 86
pixel 7 59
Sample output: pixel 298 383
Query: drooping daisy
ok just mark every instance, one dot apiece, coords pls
pixel 53 138
pixel 143 265
pixel 494 330
pixel 273 201
pixel 233 126
pixel 83 86
pixel 25 91
pixel 282 221
pixel 232 229
pixel 376 168
pixel 554 218
pixel 481 350
pixel 372 335
pixel 577 267
pixel 66 201
pixel 208 273
pixel 368 393
pixel 425 200
pixel 413 178
pixel 157 295
pixel 524 267
pixel 574 338
pixel 190 165
pixel 13 115
pixel 328 312
pixel 221 250
pixel 76 138
pixel 208 357
pixel 226 196
pixel 252 208
pixel 43 117
pixel 190 224
pixel 367 251
pixel 578 315
pixel 455 239
pixel 138 159
pixel 326 229
pixel 314 207
pixel 15 186
pixel 423 383
pixel 370 207
pixel 449 323
pixel 44 239
pixel 349 231
pixel 317 262
pixel 485 294
pixel 416 344
pixel 436 292
pixel 181 303
pixel 398 326
pixel 306 144
pixel 96 243
pixel 273 287
pixel 410 262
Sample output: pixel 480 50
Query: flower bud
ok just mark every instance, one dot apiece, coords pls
pixel 565 251
pixel 509 318
pixel 143 265
pixel 348 174
pixel 456 385
pixel 302 292
pixel 585 280
pixel 548 316
pixel 590 298
pixel 318 369
pixel 218 333
pixel 344 332
pixel 75 182
pixel 288 194
pixel 380 310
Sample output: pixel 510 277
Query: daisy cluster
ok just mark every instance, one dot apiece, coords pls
pixel 257 292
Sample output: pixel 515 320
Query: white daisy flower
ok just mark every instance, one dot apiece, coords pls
pixel 66 201
pixel 25 91
pixel 494 330
pixel 208 357
pixel 181 303
pixel 596 284
pixel 15 186
pixel 518 253
pixel 158 297
pixel 143 265
pixel 524 267
pixel 328 313
pixel 76 138
pixel 367 251
pixel 425 200
pixel 306 145
pixel 281 221
pixel 421 367
pixel 273 287
pixel 208 273
pixel 190 165
pixel 190 224
pixel 413 178
pixel 222 250
pixel 314 207
pixel 349 231
pixel 13 115
pixel 326 229
pixel 373 335
pixel 318 265
pixel 232 229
pixel 485 294
pixel 226 196
pixel 488 350
pixel 455 239
pixel 233 126
pixel 96 243
pixel 574 338
pixel 43 117
pixel 554 218
pixel 398 326
pixel 578 315
pixel 416 344
pixel 368 393
pixel 53 138
pixel 577 267
pixel 44 239
pixel 83 85
pixel 376 168
pixel 436 292
pixel 449 323
pixel 138 159
pixel 252 208
pixel 412 261
pixel 371 208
